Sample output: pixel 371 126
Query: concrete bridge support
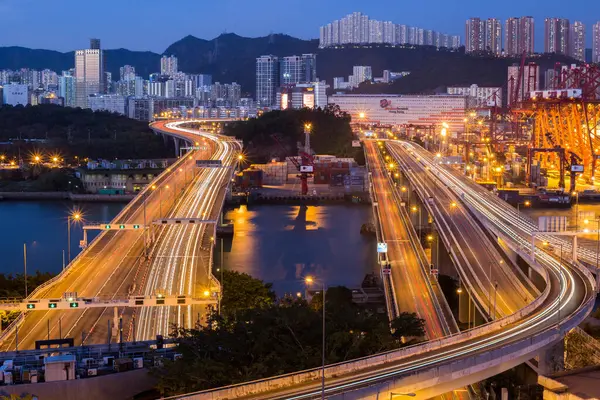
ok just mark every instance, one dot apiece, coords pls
pixel 441 258
pixel 552 358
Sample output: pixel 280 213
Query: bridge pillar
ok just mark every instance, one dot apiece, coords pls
pixel 177 146
pixel 441 258
pixel 574 255
pixel 552 358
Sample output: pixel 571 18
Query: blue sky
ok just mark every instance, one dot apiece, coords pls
pixel 152 25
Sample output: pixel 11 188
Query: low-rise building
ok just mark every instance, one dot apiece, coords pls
pixel 120 176
pixel 404 110
pixel 108 102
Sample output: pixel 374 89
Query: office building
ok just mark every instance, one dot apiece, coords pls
pixel 556 36
pixel 267 80
pixel 15 94
pixel 493 36
pixel 386 109
pixel 113 103
pixel 529 83
pixel 474 35
pixel 577 41
pixel 168 65
pixel 596 43
pixel 66 89
pixel 89 73
pixel 479 96
pixel 302 95
pixel 519 36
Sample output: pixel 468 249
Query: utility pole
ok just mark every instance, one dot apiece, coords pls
pixel 25 265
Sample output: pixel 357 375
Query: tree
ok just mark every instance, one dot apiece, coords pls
pixel 241 292
pixel 408 324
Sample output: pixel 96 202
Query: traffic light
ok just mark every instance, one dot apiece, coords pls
pixel 136 227
pixel 74 304
pixel 30 306
pixel 121 226
pixel 106 226
pixel 51 305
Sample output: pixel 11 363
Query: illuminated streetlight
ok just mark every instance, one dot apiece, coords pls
pixel 309 280
pixel 206 293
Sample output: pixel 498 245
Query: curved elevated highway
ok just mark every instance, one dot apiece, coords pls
pixel 435 367
pixel 116 264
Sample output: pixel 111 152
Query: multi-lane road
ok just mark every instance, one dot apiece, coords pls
pixel 412 285
pixel 122 263
pixel 496 284
pixel 568 297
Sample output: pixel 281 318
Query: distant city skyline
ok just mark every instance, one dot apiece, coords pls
pixel 152 28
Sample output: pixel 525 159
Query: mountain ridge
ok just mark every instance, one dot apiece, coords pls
pixel 232 58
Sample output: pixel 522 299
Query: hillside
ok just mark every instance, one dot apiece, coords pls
pixel 231 58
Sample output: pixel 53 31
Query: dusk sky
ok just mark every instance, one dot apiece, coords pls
pixel 153 25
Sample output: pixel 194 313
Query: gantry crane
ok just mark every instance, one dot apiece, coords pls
pixel 306 165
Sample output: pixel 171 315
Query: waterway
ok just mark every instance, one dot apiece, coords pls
pixel 282 244
pixel 278 244
pixel 42 226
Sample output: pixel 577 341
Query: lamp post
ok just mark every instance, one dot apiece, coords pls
pixel 576 194
pixel 526 203
pixel 597 221
pixel 309 280
pixel 74 216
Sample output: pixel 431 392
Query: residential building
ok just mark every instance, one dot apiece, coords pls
pixel 340 82
pixel 386 109
pixel 15 94
pixel 49 79
pixel 474 35
pixel 113 103
pixel 530 81
pixel 519 36
pixel 200 80
pixel 577 41
pixel 556 36
pixel 357 28
pixel 479 96
pixel 89 73
pixel 295 69
pixel 360 74
pixel 126 73
pixel 596 43
pixel 267 80
pixel 168 65
pixel 493 36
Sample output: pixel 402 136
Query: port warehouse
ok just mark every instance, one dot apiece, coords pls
pixel 328 170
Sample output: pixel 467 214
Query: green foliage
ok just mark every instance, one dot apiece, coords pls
pixel 74 132
pixel 407 325
pixel 267 338
pixel 241 292
pixel 13 286
pixel 330 134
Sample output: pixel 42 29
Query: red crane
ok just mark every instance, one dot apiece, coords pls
pixel 306 165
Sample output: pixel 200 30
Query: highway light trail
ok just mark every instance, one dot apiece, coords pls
pixel 178 262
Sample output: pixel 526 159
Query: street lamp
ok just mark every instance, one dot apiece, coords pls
pixel 597 221
pixel 309 280
pixel 576 194
pixel 74 216
pixel 526 203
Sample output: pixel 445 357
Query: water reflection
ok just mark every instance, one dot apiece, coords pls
pixel 282 244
